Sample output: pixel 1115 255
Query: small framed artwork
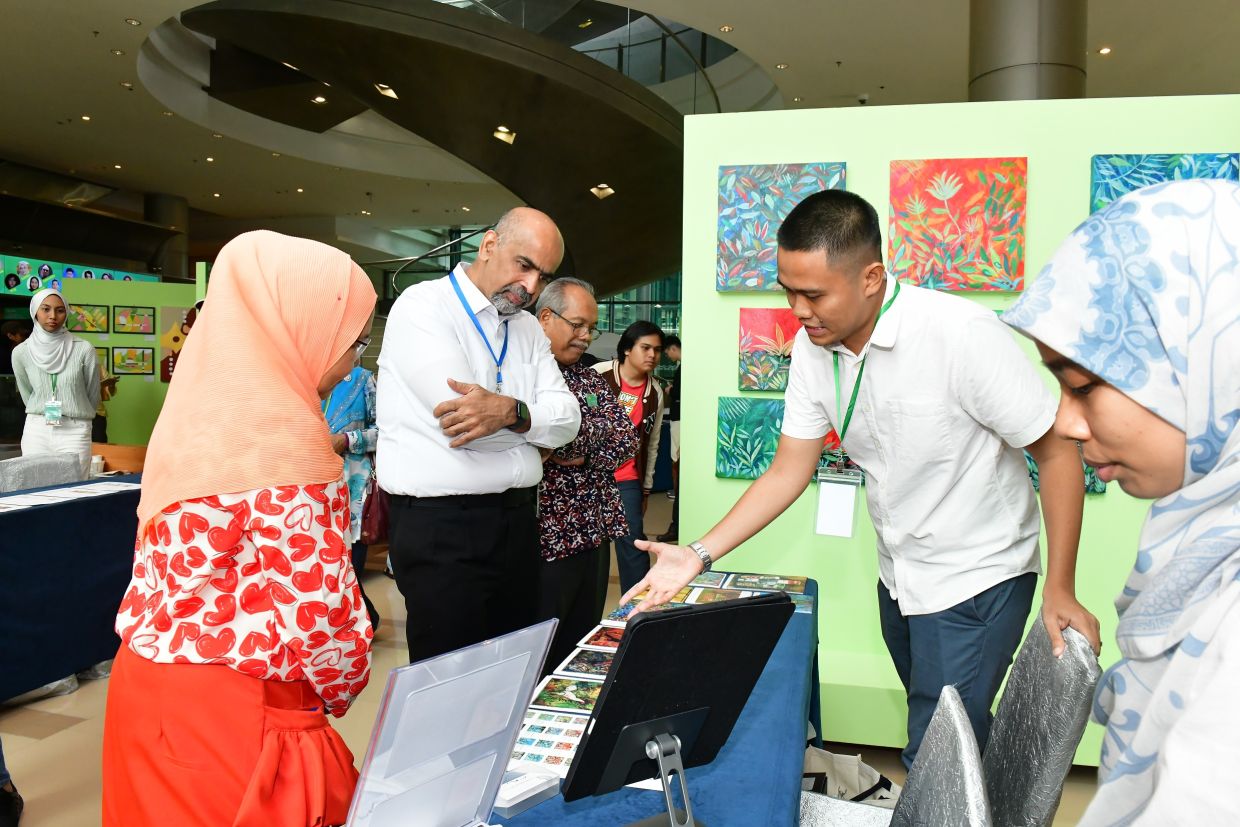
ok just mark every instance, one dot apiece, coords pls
pixel 133 319
pixel 87 318
pixel 133 360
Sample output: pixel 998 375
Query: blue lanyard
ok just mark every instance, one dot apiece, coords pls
pixel 473 317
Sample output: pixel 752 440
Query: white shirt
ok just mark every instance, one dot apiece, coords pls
pixel 947 401
pixel 428 339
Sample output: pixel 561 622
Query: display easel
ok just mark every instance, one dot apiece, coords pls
pixel 670 701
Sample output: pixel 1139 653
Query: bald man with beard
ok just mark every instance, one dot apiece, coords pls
pixel 469 396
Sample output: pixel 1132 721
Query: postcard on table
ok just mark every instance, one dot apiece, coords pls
pixel 602 639
pixel 587 663
pixel 622 614
pixel 767 583
pixel 710 579
pixel 703 596
pixel 567 694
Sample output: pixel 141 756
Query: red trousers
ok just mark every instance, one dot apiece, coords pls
pixel 194 744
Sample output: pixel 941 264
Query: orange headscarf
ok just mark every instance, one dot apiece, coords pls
pixel 243 409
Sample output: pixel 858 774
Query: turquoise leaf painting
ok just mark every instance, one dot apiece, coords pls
pixel 1093 483
pixel 753 201
pixel 747 437
pixel 1117 175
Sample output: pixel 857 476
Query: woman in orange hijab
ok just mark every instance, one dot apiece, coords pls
pixel 243 625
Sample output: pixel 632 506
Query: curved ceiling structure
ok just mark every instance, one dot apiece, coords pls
pixel 453 77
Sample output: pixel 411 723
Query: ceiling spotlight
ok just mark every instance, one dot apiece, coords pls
pixel 319 99
pixel 1105 50
pixel 116 166
pixel 797 99
pixel 365 212
pixel 210 160
pixel 386 91
pixel 585 24
pixel 504 134
pixel 118 52
pixel 167 114
pixel 215 195
pixel 275 155
pixel 127 85
pixel 465 209
pixel 299 189
pixel 289 65
pixel 86 117
pixel 216 135
pixel 725 28
pixel 602 191
pixel 133 21
pixel 781 65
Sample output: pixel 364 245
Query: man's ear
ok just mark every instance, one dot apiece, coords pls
pixel 875 277
pixel 489 242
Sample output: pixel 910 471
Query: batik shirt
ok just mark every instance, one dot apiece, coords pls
pixel 350 410
pixel 259 581
pixel 579 507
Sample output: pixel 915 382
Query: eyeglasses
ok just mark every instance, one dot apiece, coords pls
pixel 578 327
pixel 359 347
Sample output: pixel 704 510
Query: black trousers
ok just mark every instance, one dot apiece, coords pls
pixel 467 567
pixel 573 589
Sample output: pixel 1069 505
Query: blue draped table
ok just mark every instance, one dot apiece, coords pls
pixel 63 572
pixel 756 778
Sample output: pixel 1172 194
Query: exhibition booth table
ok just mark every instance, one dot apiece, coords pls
pixel 756 778
pixel 65 559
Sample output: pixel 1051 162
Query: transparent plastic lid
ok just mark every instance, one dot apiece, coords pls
pixel 445 730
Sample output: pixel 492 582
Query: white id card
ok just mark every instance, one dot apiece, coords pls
pixel 52 412
pixel 837 502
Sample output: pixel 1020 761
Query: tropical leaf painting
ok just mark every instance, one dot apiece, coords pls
pixel 1113 176
pixel 753 201
pixel 1093 483
pixel 959 224
pixel 766 336
pixel 747 436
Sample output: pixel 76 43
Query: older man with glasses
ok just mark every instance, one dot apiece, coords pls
pixel 579 506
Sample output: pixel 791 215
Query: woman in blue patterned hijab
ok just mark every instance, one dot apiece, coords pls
pixel 1138 316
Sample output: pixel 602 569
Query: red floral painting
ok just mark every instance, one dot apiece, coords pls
pixel 959 223
pixel 766 336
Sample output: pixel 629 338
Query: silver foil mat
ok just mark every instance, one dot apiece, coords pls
pixel 945 786
pixel 39 470
pixel 819 810
pixel 1038 727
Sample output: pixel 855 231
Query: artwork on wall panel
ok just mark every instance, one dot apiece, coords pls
pixel 1112 176
pixel 127 319
pixel 958 223
pixel 753 201
pixel 1093 483
pixel 748 432
pixel 176 322
pixel 87 318
pixel 766 336
pixel 133 360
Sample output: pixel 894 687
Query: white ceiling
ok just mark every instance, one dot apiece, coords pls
pixel 58 66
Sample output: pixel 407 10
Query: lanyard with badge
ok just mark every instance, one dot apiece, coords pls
pixel 838 482
pixel 473 317
pixel 52 409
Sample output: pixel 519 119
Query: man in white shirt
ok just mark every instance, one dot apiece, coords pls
pixel 947 403
pixel 468 394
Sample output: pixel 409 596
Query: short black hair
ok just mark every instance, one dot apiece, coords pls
pixel 840 223
pixel 634 332
pixel 671 340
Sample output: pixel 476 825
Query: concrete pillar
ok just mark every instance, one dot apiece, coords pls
pixel 1026 49
pixel 171 211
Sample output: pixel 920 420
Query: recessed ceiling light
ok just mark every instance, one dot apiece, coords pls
pixel 585 24
pixel 725 28
pixel 319 99
pixel 465 209
pixel 386 91
pixel 167 114
pixel 210 160
pixel 86 117
pixel 275 155
pixel 118 52
pixel 116 166
pixel 289 65
pixel 602 191
pixel 216 135
pixel 299 189
pixel 781 65
pixel 215 195
pixel 797 99
pixel 133 21
pixel 365 212
pixel 127 84
pixel 1105 50
pixel 504 134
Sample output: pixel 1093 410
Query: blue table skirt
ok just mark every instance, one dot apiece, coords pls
pixel 63 573
pixel 755 779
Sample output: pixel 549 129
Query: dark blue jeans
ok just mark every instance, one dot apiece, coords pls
pixel 632 563
pixel 4 773
pixel 969 646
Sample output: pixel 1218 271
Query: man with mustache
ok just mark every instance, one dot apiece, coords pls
pixel 468 394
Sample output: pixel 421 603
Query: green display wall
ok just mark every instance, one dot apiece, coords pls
pixel 863 701
pixel 132 414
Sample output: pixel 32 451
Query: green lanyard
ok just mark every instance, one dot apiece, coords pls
pixel 54 376
pixel 852 402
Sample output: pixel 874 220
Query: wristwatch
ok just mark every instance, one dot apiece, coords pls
pixel 523 416
pixel 703 555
